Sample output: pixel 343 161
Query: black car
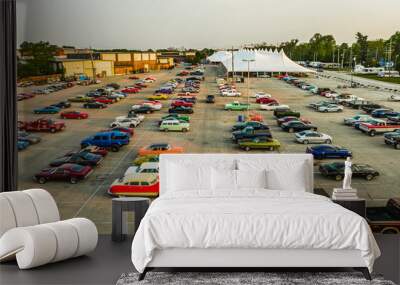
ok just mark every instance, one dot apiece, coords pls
pixel 181 110
pixel 336 170
pixel 144 109
pixel 285 113
pixel 188 99
pixel 297 126
pixel 81 158
pixel 210 99
pixel 94 105
pixel 113 85
pixel 94 94
pixel 62 105
pixel 368 108
pixel 255 125
pixel 250 133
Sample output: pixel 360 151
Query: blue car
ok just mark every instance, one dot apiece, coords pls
pixel 21 145
pixel 113 140
pixel 47 110
pixel 328 151
pixel 384 113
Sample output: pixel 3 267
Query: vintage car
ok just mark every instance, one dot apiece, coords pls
pixel 250 132
pixel 95 150
pixel 144 109
pixel 47 110
pixel 62 105
pixel 21 145
pixel 94 105
pixel 145 167
pixel 130 90
pixel 261 94
pixel 105 100
pixel 286 119
pixel 368 108
pixel 81 158
pixel 393 120
pixel 306 137
pixel 66 172
pixel 155 105
pixel 394 97
pixel 145 158
pixel 375 128
pixel 131 115
pixel 128 131
pixel 74 115
pixel 330 108
pixel 177 103
pixel 81 98
pixel 316 105
pixel 30 138
pixel 328 151
pixel 230 93
pixel 297 126
pixel 181 110
pixel 259 143
pixel 285 113
pixel 41 125
pixel 160 148
pixel 210 99
pixel 336 170
pixel 273 106
pixel 384 113
pixel 394 141
pixel 265 100
pixel 134 77
pixel 126 123
pixel 174 125
pixel 236 106
pixel 355 119
pixel 255 125
pixel 137 184
pixel 385 220
pixel 158 96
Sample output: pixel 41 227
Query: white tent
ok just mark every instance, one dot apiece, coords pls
pixel 261 61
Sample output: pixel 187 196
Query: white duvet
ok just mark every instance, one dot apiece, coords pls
pixel 250 219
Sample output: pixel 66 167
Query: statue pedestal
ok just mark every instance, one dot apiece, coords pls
pixel 344 194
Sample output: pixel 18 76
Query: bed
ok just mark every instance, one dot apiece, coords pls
pixel 247 211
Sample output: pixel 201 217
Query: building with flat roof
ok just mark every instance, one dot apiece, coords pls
pixel 73 67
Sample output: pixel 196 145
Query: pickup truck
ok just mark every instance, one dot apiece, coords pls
pixel 377 128
pixel 112 140
pixel 393 140
pixel 250 132
pixel 385 220
pixel 236 106
pixel 41 125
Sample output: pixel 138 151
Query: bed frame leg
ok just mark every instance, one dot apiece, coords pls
pixel 143 274
pixel 365 272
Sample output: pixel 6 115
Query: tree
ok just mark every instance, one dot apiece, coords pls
pixel 395 40
pixel 361 48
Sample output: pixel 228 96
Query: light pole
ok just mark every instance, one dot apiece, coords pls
pixel 248 85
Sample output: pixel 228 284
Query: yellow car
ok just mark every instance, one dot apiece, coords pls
pixel 159 96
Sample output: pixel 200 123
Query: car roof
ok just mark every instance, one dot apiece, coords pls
pixel 140 177
pixel 149 165
pixel 159 144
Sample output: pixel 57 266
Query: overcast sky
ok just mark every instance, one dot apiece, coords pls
pixel 143 24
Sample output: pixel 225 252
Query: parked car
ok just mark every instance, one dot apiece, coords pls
pixel 259 143
pixel 236 106
pixel 94 105
pixel 30 138
pixel 250 132
pixel 357 118
pixel 105 100
pixel 385 220
pixel 210 99
pixel 336 170
pixel 74 115
pixel 94 149
pixel 62 105
pixel 126 130
pixel 174 125
pixel 144 109
pixel 145 158
pixel 370 107
pixel 393 120
pixel 70 172
pixel 285 113
pixel 328 151
pixel 265 100
pixel 111 140
pixel 393 138
pixel 306 137
pixel 230 93
pixel 297 126
pixel 286 119
pixel 41 125
pixel 160 148
pixel 181 110
pixel 130 90
pixel 330 108
pixel 377 127
pixel 81 98
pixel 384 113
pixel 81 158
pixel 273 106
pixel 126 123
pixel 21 145
pixel 177 103
pixel 47 110
pixel 139 184
pixel 255 125
pixel 159 96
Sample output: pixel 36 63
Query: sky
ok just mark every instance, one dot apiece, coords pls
pixel 144 24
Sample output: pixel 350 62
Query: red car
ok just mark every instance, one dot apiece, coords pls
pixel 128 131
pixel 66 172
pixel 41 125
pixel 105 100
pixel 130 90
pixel 181 103
pixel 95 150
pixel 266 100
pixel 74 115
pixel 141 85
pixel 134 77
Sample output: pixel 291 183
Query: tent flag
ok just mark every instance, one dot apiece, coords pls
pixel 264 61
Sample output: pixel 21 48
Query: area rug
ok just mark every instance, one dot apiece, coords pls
pixel 251 278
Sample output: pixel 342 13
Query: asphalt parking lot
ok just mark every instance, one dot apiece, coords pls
pixel 210 132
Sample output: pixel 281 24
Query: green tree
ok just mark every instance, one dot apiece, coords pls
pixel 361 48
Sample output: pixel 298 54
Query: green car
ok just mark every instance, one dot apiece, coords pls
pixel 177 117
pixel 174 125
pixel 145 158
pixel 81 98
pixel 259 143
pixel 236 106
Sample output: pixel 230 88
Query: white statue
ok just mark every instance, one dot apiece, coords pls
pixel 347 174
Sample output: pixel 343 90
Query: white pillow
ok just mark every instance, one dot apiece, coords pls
pixel 183 177
pixel 224 179
pixel 251 179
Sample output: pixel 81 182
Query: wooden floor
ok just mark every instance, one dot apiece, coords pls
pixel 103 266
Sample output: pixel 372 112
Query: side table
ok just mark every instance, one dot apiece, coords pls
pixel 138 205
pixel 358 206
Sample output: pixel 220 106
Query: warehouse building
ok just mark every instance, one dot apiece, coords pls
pixel 73 67
pixel 131 62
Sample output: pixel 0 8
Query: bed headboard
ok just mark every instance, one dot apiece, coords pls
pixel 212 158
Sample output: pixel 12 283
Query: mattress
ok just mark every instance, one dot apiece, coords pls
pixel 250 219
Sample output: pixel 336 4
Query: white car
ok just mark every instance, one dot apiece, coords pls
pixel 126 123
pixel 145 167
pixel 273 106
pixel 119 94
pixel 259 95
pixel 394 98
pixel 330 108
pixel 331 94
pixel 306 137
pixel 231 93
pixel 355 119
pixel 137 117
pixel 157 106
